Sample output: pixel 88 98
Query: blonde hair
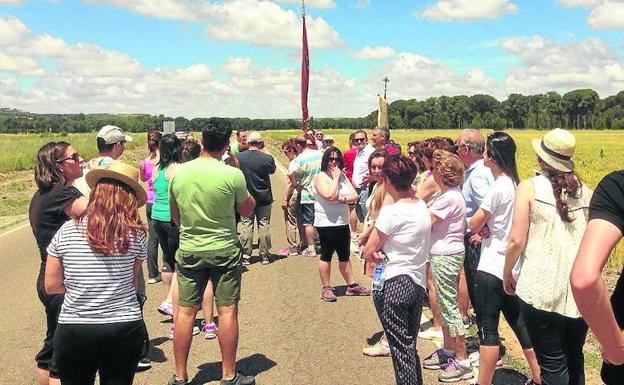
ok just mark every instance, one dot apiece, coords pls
pixel 379 194
pixel 449 166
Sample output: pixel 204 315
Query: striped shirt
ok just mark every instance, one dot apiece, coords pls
pixel 304 168
pixel 98 288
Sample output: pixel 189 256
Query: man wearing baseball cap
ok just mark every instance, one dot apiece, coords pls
pixel 257 167
pixel 110 144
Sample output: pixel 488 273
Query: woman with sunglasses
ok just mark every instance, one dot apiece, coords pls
pixel 56 201
pixel 95 261
pixel 333 193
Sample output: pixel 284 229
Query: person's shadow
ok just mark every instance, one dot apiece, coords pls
pixel 252 365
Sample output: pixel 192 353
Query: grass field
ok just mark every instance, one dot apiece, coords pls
pixel 17 152
pixel 597 152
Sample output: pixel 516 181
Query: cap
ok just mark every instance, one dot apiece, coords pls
pixel 254 137
pixel 113 134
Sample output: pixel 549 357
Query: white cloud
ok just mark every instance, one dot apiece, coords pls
pixel 11 2
pixel 12 30
pixel 162 9
pixel 546 65
pixel 369 52
pixel 362 4
pixel 468 10
pixel 416 76
pixel 87 78
pixel 258 22
pixel 266 24
pixel 604 14
pixel 311 3
pixel 579 3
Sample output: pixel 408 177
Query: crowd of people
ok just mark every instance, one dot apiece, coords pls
pixel 449 225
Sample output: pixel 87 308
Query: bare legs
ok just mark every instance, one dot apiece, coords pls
pixel 345 271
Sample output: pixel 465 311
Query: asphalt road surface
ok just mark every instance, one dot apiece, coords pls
pixel 287 334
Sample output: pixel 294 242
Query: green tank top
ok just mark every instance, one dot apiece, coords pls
pixel 161 209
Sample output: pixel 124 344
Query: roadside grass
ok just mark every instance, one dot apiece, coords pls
pixel 18 151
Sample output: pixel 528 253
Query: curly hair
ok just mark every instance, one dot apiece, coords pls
pixel 449 166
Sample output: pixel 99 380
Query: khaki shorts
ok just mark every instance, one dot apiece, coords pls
pixel 222 267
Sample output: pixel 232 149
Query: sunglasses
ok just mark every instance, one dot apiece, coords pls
pixel 359 140
pixel 75 157
pixel 328 141
pixel 334 158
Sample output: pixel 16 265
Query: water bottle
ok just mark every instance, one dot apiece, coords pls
pixel 378 277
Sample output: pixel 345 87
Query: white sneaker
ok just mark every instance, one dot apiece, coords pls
pixel 431 334
pixel 195 332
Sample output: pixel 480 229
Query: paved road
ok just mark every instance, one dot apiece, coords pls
pixel 288 335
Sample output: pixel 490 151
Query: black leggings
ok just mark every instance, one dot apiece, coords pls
pixel 558 343
pixel 490 300
pixel 112 349
pixel 169 239
pixel 335 238
pixel 399 306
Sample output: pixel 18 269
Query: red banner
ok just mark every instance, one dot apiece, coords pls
pixel 305 77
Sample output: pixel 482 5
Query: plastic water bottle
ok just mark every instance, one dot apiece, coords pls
pixel 378 277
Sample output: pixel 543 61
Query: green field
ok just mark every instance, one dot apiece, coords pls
pixel 17 152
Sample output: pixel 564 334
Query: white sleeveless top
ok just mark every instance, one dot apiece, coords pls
pixel 551 248
pixel 329 214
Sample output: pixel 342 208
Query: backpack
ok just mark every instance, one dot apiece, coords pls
pixel 507 376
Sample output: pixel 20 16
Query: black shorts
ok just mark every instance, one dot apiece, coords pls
pixel 169 239
pixel 335 238
pixel 490 300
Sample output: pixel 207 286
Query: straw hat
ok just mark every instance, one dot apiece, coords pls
pixel 120 172
pixel 556 149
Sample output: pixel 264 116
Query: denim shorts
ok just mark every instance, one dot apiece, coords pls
pixel 307 213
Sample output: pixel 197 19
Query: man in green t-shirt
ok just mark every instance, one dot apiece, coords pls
pixel 204 194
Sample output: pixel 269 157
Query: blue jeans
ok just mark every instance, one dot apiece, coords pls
pixel 360 204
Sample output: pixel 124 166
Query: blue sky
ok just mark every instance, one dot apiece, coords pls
pixel 242 57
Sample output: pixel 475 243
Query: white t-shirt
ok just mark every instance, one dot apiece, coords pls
pixel 499 202
pixel 408 227
pixel 360 165
pixel 328 214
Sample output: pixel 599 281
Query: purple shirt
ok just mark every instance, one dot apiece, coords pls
pixel 146 171
pixel 447 234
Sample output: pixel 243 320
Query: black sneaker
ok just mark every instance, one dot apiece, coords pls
pixel 239 379
pixel 174 381
pixel 144 364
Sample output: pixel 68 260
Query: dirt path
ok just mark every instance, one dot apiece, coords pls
pixel 288 335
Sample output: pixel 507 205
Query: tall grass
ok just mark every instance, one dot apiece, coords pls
pixel 17 152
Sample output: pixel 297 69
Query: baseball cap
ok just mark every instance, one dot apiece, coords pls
pixel 254 137
pixel 113 134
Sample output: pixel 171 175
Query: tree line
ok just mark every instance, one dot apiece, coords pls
pixel 577 109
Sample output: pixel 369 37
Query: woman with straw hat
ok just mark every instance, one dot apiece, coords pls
pixel 94 260
pixel 550 217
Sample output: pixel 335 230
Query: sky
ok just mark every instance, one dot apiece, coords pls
pixel 242 58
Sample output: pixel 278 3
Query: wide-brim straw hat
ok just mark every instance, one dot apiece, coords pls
pixel 556 148
pixel 120 172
